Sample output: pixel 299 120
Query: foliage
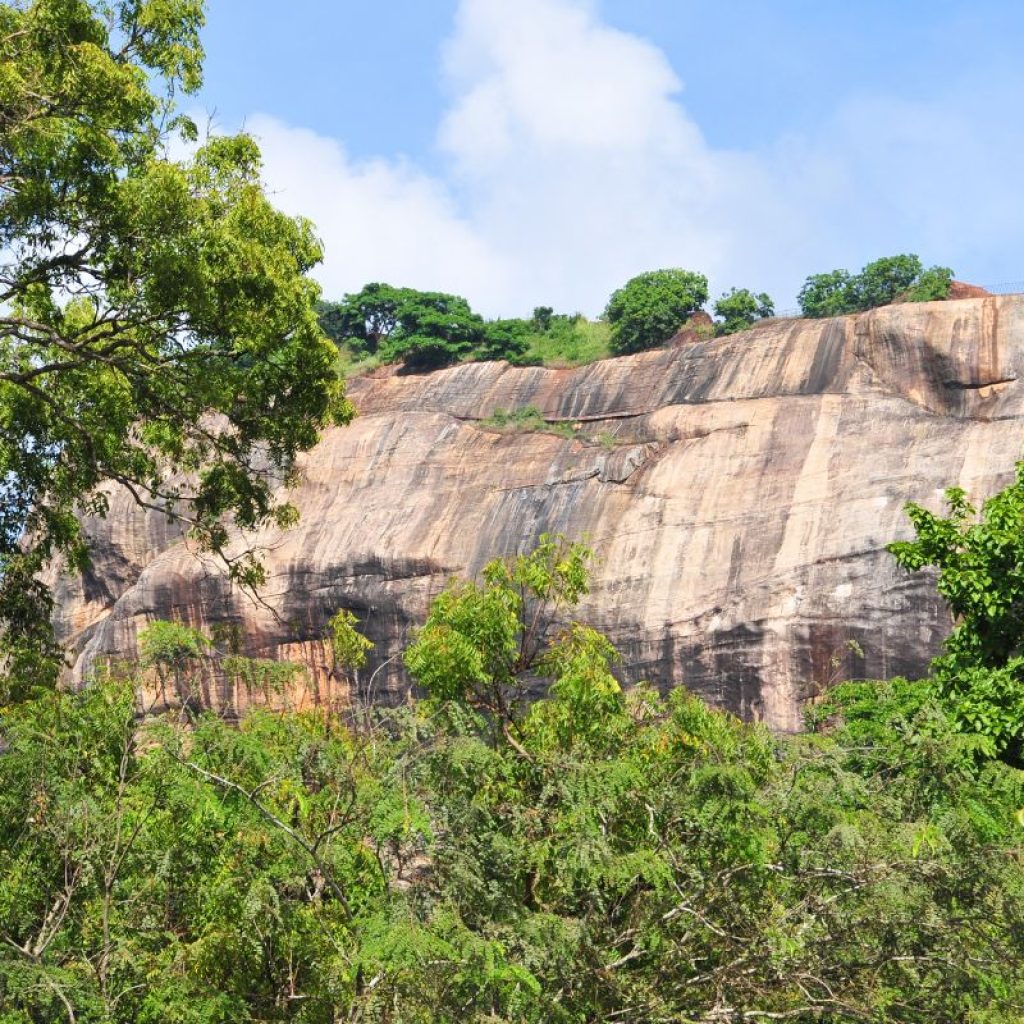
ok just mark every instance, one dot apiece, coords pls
pixel 650 308
pixel 171 649
pixel 482 642
pixel 931 285
pixel 527 419
pixel 542 318
pixel 889 279
pixel 980 562
pixel 740 308
pixel 620 857
pixel 366 319
pixel 880 282
pixel 425 330
pixel 828 294
pixel 171 645
pixel 156 317
pixel 566 341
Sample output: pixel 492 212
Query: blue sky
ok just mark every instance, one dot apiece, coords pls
pixel 526 152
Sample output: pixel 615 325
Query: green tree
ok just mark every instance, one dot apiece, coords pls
pixel 504 339
pixel 482 643
pixel 827 294
pixel 884 280
pixel 931 285
pixel 651 307
pixel 156 318
pixel 436 329
pixel 980 562
pixel 170 649
pixel 615 856
pixel 541 318
pixel 890 279
pixel 740 308
pixel 366 319
pixel 425 330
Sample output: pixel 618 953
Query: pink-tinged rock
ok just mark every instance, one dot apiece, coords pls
pixel 739 493
pixel 963 290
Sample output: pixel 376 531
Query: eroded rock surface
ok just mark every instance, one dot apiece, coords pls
pixel 739 493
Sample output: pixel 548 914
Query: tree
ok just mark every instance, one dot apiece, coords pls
pixel 883 280
pixel 740 308
pixel 156 319
pixel 482 643
pixel 980 560
pixel 616 856
pixel 540 321
pixel 826 294
pixel 506 338
pixel 170 648
pixel 426 330
pixel 435 330
pixel 931 285
pixel 651 307
pixel 366 319
pixel 890 279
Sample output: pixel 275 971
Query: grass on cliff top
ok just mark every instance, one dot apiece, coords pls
pixel 568 342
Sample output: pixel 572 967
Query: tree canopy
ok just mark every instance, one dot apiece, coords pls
pixel 980 562
pixel 157 326
pixel 596 855
pixel 889 279
pixel 740 308
pixel 424 330
pixel 649 308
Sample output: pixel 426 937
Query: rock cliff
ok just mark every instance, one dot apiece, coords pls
pixel 739 493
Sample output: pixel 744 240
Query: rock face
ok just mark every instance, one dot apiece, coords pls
pixel 739 493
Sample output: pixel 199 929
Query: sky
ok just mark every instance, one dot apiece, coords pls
pixel 542 152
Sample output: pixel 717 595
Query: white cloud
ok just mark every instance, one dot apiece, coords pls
pixel 572 164
pixel 380 221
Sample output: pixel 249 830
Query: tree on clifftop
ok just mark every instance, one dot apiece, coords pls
pixel 649 308
pixel 889 279
pixel 157 326
pixel 740 308
pixel 425 330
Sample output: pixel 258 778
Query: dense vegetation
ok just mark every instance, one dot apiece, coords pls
pixel 890 279
pixel 593 856
pixel 156 318
pixel 739 309
pixel 649 308
pixel 427 330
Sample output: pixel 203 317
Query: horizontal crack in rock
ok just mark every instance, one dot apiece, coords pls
pixel 959 385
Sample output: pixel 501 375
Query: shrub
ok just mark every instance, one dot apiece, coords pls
pixel 740 308
pixel 890 279
pixel 650 308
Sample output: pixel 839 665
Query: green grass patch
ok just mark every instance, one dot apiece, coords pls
pixel 569 342
pixel 355 364
pixel 526 420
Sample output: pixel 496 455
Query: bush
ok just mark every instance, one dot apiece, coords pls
pixel 740 308
pixel 425 330
pixel 933 284
pixel 651 307
pixel 890 279
pixel 826 294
